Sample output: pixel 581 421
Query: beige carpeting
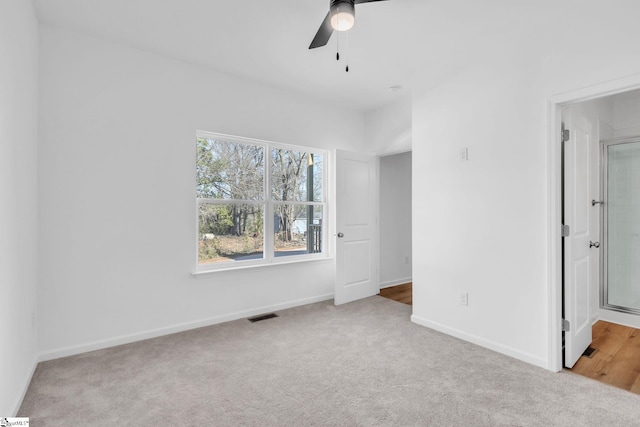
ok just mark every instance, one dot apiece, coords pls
pixel 360 364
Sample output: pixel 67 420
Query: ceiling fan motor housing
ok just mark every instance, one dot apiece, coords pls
pixel 335 2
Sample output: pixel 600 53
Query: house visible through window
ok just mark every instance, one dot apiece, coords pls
pixel 258 202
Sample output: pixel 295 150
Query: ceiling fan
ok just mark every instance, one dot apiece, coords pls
pixel 341 17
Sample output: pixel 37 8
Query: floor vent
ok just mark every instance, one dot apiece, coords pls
pixel 263 317
pixel 589 352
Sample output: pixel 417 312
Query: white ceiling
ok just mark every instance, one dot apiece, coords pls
pixel 405 42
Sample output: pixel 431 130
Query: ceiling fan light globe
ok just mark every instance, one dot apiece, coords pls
pixel 343 15
pixel 342 21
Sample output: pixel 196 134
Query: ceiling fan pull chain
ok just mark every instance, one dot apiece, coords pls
pixel 337 47
pixel 346 48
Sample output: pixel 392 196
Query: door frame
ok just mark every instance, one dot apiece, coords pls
pixel 554 217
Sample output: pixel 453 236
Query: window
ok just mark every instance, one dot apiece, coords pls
pixel 258 202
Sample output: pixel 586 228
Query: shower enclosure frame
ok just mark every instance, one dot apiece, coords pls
pixel 604 221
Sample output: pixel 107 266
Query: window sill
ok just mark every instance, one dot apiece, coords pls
pixel 202 273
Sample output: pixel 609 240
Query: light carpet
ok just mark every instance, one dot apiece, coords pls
pixel 359 364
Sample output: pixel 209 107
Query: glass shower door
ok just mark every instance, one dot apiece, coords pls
pixel 621 225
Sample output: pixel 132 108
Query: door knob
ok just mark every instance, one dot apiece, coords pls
pixel 594 244
pixel 340 235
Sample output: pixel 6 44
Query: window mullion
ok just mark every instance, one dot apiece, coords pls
pixel 269 243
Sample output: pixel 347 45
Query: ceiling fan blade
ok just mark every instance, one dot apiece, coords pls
pixel 324 33
pixel 367 1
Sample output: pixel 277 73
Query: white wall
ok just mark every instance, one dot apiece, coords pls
pixel 18 199
pixel 626 112
pixel 484 223
pixel 479 225
pixel 388 128
pixel 117 212
pixel 395 219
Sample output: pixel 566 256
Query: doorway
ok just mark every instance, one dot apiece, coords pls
pixel 600 123
pixel 395 225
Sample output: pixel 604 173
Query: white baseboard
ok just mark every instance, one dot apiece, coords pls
pixel 491 345
pixel 625 319
pixel 395 282
pixel 25 387
pixel 126 339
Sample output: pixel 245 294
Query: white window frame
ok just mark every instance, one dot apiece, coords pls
pixel 269 257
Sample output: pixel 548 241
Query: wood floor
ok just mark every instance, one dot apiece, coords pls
pixel 400 293
pixel 617 359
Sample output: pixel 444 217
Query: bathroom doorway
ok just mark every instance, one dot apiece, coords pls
pixel 601 230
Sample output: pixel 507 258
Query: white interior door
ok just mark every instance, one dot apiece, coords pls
pixel 356 227
pixel 578 254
